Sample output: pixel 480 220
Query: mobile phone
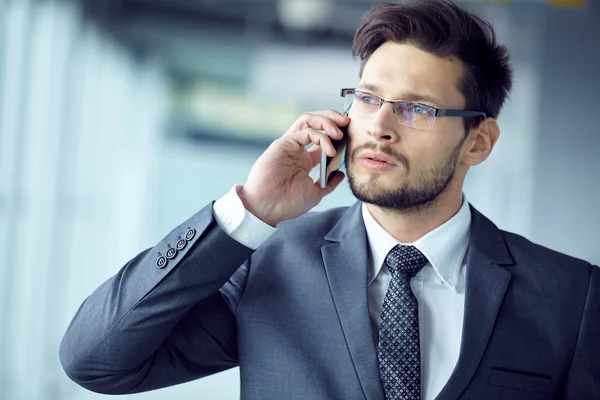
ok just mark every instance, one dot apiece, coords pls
pixel 331 164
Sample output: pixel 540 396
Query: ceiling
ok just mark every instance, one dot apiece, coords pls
pixel 180 31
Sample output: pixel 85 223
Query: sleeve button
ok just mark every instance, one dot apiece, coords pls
pixel 190 234
pixel 171 253
pixel 181 244
pixel 245 235
pixel 161 262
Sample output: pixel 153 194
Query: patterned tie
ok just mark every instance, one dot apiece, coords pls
pixel 399 352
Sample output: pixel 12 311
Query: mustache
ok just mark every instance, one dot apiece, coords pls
pixel 387 150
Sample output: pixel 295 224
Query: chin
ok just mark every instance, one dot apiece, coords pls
pixel 368 184
pixel 375 180
pixel 394 192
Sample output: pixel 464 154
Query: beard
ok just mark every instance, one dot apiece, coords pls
pixel 415 197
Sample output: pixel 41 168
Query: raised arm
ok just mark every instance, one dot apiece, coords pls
pixel 152 326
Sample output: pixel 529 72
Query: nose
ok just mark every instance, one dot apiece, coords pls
pixel 383 125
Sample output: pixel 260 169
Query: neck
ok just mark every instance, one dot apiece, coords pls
pixel 407 226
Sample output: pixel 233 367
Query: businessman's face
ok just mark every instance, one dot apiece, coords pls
pixel 418 164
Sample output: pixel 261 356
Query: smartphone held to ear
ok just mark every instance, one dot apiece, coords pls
pixel 329 165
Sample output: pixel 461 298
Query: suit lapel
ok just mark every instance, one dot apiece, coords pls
pixel 486 285
pixel 345 261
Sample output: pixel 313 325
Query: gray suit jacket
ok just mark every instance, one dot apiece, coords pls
pixel 293 316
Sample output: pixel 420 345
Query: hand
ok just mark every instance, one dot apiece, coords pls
pixel 279 186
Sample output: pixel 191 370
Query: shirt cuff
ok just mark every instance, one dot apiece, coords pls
pixel 238 222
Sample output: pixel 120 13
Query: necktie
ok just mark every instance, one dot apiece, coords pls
pixel 398 352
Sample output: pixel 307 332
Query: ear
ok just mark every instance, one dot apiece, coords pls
pixel 480 142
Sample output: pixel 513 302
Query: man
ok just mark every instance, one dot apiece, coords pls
pixel 411 293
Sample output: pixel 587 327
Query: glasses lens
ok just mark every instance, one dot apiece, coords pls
pixel 415 115
pixel 348 99
pixel 365 104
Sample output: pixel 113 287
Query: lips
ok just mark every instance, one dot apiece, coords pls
pixel 378 157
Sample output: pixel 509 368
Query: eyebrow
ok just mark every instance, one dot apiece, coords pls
pixel 408 96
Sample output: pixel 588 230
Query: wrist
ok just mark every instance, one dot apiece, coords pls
pixel 257 207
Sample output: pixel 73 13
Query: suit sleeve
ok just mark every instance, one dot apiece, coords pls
pixel 153 325
pixel 583 381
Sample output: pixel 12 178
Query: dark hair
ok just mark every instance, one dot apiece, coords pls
pixel 442 28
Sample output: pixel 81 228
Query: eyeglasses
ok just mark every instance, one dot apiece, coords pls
pixel 408 113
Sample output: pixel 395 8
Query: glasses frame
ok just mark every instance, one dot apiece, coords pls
pixel 439 112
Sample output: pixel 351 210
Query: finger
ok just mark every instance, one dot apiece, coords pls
pixel 310 135
pixel 335 116
pixel 318 122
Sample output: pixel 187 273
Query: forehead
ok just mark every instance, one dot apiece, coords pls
pixel 398 70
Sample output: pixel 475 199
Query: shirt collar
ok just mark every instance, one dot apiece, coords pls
pixel 444 247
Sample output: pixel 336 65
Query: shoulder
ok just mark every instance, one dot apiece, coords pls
pixel 314 224
pixel 525 251
pixel 299 237
pixel 512 248
pixel 304 232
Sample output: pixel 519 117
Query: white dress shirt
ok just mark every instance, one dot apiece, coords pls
pixel 439 287
pixel 238 223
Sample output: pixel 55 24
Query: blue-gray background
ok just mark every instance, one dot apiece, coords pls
pixel 119 119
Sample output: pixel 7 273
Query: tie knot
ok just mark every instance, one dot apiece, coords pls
pixel 407 260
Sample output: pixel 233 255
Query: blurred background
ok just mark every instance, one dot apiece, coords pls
pixel 119 119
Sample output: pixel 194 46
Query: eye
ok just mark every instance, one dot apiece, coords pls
pixel 419 109
pixel 367 98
